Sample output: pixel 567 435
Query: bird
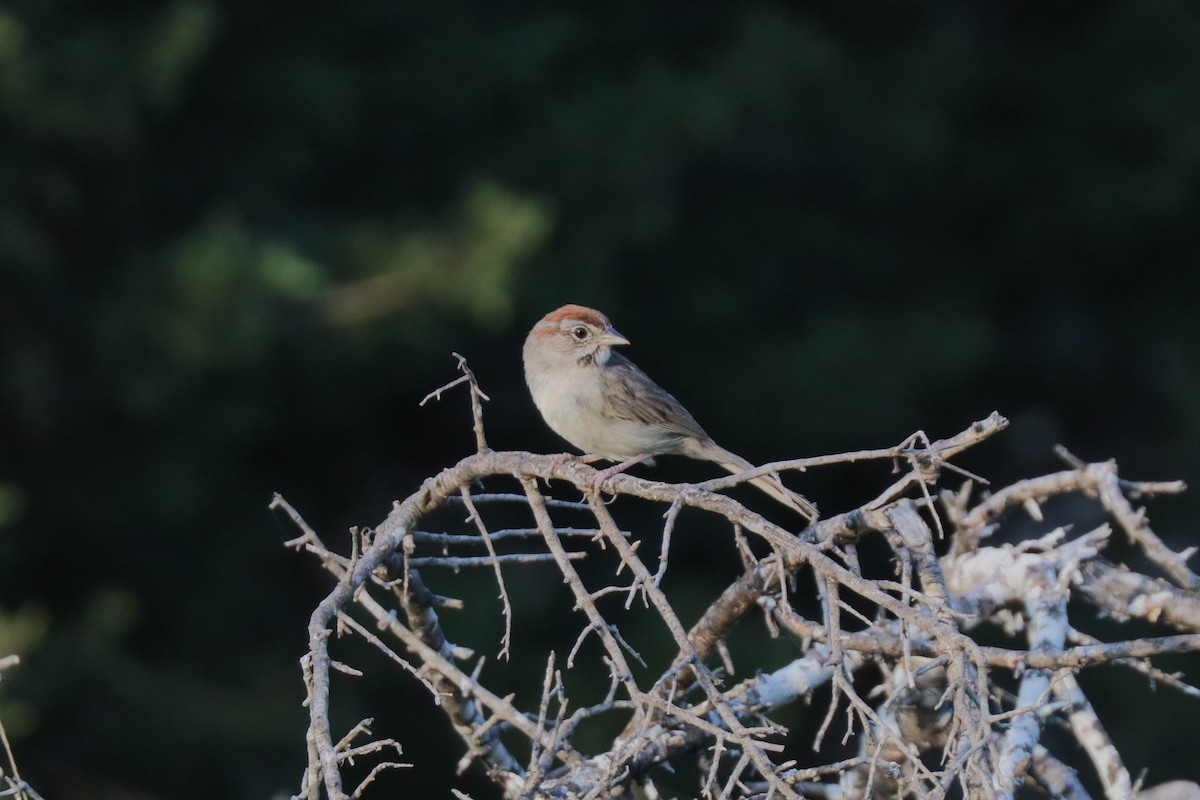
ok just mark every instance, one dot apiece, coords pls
pixel 603 404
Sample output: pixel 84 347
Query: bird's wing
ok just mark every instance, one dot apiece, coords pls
pixel 633 397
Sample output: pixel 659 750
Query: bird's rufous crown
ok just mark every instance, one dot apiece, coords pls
pixel 578 313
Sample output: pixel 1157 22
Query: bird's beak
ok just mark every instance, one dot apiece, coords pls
pixel 612 338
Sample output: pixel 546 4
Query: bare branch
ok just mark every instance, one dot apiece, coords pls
pixel 919 693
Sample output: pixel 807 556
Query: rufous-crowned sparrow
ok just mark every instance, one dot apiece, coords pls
pixel 600 402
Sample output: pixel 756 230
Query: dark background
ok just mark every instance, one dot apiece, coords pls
pixel 238 242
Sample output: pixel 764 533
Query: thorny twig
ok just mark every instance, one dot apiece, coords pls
pixel 11 784
pixel 936 718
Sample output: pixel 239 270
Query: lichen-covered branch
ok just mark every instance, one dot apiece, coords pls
pixel 930 710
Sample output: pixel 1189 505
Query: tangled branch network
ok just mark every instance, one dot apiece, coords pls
pixel 911 701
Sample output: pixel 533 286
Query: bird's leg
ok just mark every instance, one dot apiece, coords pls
pixel 589 458
pixel 565 458
pixel 615 469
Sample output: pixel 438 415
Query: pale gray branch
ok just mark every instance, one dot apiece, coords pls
pixel 917 691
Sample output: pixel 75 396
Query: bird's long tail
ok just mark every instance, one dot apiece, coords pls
pixel 769 483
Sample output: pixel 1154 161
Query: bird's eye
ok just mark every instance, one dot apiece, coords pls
pixel 579 332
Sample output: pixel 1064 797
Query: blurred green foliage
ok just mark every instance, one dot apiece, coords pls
pixel 238 242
